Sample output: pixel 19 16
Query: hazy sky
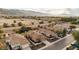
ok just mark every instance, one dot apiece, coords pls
pixel 22 4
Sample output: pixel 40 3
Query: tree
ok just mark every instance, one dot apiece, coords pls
pixel 64 32
pixel 76 35
pixel 61 33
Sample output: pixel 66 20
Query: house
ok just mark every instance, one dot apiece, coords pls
pixel 47 32
pixel 61 26
pixel 35 36
pixel 36 39
pixel 16 40
pixel 51 36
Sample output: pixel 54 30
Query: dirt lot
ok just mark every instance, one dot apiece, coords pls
pixel 24 21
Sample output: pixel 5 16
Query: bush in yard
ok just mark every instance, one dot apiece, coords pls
pixel 76 35
pixel 61 33
pixel 64 32
pixel 72 27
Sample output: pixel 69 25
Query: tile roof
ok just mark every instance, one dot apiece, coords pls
pixel 16 39
pixel 36 36
pixel 48 33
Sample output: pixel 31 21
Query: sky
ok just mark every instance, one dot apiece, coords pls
pixel 27 4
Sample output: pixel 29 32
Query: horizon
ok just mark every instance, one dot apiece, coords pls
pixel 52 11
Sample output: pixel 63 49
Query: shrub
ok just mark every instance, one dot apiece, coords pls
pixel 13 25
pixel 76 35
pixel 70 19
pixel 32 23
pixel 14 21
pixel 16 30
pixel 49 21
pixel 41 22
pixel 61 33
pixel 5 25
pixel 75 22
pixel 72 27
pixel 1 31
pixel 22 29
pixel 20 24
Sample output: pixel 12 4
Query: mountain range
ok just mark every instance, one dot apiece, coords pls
pixel 41 12
pixel 18 12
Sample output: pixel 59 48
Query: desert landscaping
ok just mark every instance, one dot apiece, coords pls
pixel 33 33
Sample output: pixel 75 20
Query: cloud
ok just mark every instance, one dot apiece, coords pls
pixel 39 3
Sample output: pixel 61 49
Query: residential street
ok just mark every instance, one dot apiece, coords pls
pixel 59 44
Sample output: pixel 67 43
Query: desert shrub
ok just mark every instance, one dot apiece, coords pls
pixel 14 21
pixel 72 27
pixel 1 31
pixel 20 24
pixel 70 19
pixel 22 29
pixel 75 22
pixel 5 25
pixel 32 23
pixel 41 22
pixel 49 21
pixel 16 30
pixel 13 25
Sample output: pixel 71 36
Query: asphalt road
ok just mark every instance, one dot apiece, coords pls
pixel 59 44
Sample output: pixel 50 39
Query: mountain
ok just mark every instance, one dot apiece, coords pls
pixel 60 12
pixel 41 12
pixel 17 12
